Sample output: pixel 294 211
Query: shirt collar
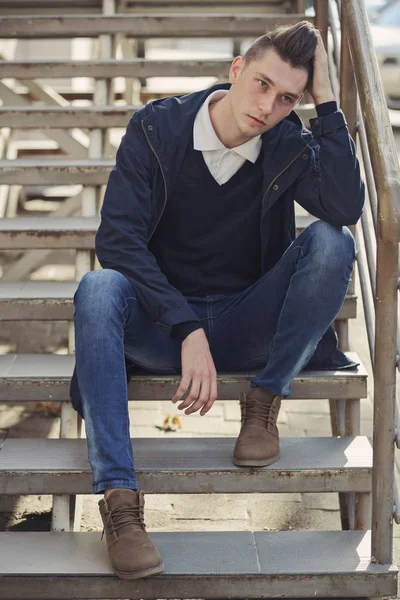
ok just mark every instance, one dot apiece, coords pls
pixel 205 138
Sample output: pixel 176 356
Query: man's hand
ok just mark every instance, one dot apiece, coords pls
pixel 199 370
pixel 321 89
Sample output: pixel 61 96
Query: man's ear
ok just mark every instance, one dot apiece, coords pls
pixel 235 68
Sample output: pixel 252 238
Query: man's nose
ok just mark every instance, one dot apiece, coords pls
pixel 266 106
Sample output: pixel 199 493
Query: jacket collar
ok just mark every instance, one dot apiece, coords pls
pixel 169 123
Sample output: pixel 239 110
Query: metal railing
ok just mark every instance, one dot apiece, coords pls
pixel 378 235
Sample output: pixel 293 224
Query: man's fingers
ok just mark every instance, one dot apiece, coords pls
pixel 184 387
pixel 212 399
pixel 193 395
pixel 203 398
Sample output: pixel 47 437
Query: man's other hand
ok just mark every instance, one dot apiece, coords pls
pixel 198 370
pixel 321 88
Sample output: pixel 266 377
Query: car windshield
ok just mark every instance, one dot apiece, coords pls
pixel 389 16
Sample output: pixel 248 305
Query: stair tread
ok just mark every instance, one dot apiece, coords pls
pixel 60 366
pixel 188 454
pixel 269 553
pixel 31 377
pixel 160 24
pixel 50 225
pixel 191 465
pixel 48 290
pixel 233 564
pixel 38 290
pixel 48 163
pixel 53 300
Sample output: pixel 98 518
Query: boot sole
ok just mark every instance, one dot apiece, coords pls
pixel 140 574
pixel 255 463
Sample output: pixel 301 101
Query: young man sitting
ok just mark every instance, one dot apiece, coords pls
pixel 202 270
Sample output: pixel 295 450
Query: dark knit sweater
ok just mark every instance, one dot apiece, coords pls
pixel 208 238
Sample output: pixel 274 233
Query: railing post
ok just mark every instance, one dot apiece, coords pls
pixel 348 98
pixel 384 399
pixel 345 415
pixel 321 19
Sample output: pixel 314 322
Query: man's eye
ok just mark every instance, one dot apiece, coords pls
pixel 261 81
pixel 287 99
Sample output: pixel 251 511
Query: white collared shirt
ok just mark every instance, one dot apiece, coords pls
pixel 222 162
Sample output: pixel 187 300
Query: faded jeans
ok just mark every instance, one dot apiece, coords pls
pixel 272 326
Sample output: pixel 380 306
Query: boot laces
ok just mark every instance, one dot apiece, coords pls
pixel 126 515
pixel 253 408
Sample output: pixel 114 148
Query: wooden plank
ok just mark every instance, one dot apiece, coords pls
pixel 83 116
pixel 103 69
pixel 31 377
pixel 55 172
pixel 267 564
pixel 48 300
pixel 144 26
pixel 191 466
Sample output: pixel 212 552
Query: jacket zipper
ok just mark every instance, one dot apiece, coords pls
pixel 279 174
pixel 262 204
pixel 165 183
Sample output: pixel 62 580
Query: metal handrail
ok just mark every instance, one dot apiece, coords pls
pixel 378 234
pixel 377 122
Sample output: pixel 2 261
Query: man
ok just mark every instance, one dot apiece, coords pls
pixel 202 272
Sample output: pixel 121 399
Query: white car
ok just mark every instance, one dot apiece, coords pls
pixel 385 30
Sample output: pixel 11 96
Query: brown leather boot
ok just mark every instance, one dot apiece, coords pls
pixel 258 441
pixel 132 553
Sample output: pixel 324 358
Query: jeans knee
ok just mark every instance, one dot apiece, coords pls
pixel 98 292
pixel 336 244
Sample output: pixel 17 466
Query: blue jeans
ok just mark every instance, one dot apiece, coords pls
pixel 274 325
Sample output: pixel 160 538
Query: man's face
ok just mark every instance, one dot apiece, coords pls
pixel 264 93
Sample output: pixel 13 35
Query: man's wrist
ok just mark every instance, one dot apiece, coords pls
pixel 326 108
pixel 182 330
pixel 327 96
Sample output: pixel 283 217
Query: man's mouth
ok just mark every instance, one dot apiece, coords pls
pixel 256 120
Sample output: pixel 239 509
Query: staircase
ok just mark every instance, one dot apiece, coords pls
pixel 66 563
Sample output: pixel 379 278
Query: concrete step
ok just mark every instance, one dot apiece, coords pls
pixel 46 377
pixel 88 116
pixel 26 233
pixel 53 300
pixel 239 564
pixel 157 25
pixel 191 466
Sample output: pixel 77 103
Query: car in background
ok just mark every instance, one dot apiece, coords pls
pixel 385 30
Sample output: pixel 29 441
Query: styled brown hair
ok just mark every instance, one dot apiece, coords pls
pixel 294 44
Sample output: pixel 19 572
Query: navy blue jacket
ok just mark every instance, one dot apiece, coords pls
pixel 317 168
